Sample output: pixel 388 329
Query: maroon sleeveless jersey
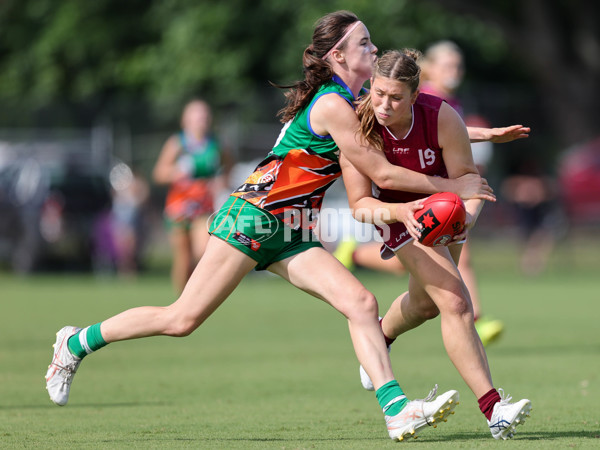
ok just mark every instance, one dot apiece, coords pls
pixel 419 150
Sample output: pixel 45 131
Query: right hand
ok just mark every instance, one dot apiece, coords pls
pixel 405 213
pixel 472 185
pixel 508 134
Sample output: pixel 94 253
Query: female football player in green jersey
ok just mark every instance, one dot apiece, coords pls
pixel 192 164
pixel 266 224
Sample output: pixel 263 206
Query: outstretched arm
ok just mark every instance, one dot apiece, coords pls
pixel 498 135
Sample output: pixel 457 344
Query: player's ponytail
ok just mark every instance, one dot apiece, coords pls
pixel 329 31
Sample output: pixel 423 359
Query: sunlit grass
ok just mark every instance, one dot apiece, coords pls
pixel 273 368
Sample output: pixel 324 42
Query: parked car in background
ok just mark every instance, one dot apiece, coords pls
pixel 51 198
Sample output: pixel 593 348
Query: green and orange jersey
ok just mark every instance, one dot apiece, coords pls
pixel 291 181
pixel 193 197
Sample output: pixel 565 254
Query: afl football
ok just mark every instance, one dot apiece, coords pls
pixel 443 216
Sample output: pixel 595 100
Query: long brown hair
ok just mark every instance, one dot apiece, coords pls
pixel 400 65
pixel 329 29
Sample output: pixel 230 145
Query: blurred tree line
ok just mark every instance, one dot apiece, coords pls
pixel 73 62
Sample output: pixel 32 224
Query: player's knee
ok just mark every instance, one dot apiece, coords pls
pixel 421 307
pixel 181 328
pixel 364 304
pixel 358 303
pixel 179 325
pixel 457 304
pixel 429 311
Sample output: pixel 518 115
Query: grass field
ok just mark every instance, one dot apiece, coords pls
pixel 274 368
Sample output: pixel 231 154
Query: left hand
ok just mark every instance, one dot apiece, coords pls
pixel 508 134
pixel 470 186
pixel 469 223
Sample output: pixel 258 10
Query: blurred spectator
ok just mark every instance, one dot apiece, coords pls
pixel 130 194
pixel 579 177
pixel 442 72
pixel 193 164
pixel 533 197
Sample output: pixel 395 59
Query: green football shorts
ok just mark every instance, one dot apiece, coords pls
pixel 258 233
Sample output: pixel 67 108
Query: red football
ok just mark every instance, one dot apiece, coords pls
pixel 442 216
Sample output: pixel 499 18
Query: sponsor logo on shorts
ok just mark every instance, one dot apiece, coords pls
pixel 401 236
pixel 246 240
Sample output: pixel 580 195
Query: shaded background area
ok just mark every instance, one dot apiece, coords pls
pixel 93 88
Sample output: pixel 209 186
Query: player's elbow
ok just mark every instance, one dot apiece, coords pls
pixel 161 176
pixel 383 179
pixel 371 214
pixel 359 211
pixel 157 175
pixel 360 214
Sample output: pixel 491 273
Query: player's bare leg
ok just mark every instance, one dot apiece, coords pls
pixel 317 272
pixel 436 283
pixel 218 273
pixel 488 329
pixel 181 255
pixel 321 275
pixel 215 277
pixel 199 235
pixel 416 306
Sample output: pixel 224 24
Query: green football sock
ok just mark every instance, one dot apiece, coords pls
pixel 391 398
pixel 86 341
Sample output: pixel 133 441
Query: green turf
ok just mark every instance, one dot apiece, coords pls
pixel 274 368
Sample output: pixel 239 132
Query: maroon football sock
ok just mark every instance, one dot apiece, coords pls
pixel 388 341
pixel 487 402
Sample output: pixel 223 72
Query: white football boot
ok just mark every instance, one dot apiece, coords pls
pixel 62 368
pixel 507 416
pixel 421 413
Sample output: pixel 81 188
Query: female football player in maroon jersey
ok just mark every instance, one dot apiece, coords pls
pixel 423 133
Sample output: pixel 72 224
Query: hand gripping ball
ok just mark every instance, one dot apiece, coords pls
pixel 443 216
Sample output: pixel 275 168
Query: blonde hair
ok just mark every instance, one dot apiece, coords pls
pixel 399 65
pixel 434 51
